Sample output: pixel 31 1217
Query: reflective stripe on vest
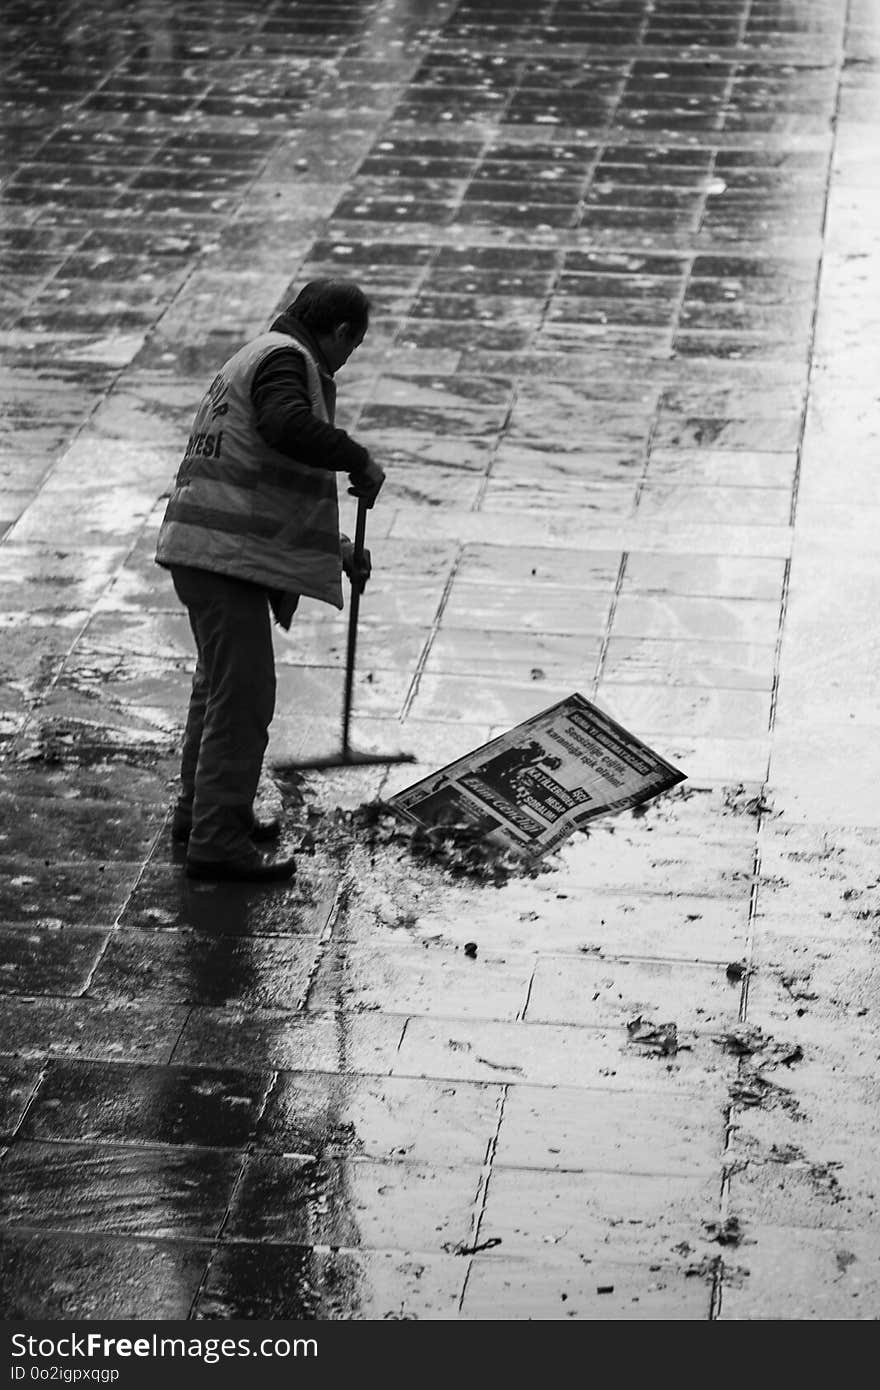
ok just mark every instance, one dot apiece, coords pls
pixel 240 507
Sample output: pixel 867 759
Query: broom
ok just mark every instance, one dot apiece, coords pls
pixel 349 757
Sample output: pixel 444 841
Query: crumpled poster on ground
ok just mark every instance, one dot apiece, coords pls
pixel 533 786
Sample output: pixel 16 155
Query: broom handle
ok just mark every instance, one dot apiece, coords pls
pixel 354 604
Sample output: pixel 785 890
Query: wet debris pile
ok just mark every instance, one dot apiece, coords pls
pixel 742 802
pixel 759 1053
pixel 753 1088
pixel 459 850
pixel 749 1041
pixel 683 792
pixel 726 1232
pixel 661 1038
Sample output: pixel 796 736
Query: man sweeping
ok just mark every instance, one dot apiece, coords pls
pixel 251 525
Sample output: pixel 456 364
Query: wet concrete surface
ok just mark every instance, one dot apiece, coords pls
pixel 624 264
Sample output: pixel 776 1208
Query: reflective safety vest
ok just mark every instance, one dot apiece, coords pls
pixel 241 508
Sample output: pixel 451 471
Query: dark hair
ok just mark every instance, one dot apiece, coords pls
pixel 323 305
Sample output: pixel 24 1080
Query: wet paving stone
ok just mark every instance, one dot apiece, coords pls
pixel 788 1189
pixel 735 620
pixel 715 432
pixel 379 648
pixel 36 1027
pixel 295 1200
pixel 645 1221
pixel 421 449
pixel 823 1275
pixel 695 711
pixel 737 505
pixel 715 760
pixel 505 495
pixel 722 665
pixel 501 654
pixel 61 1277
pixel 164 900
pixel 52 832
pixel 705 575
pixel 117 1190
pixel 487 564
pixel 314 1042
pixel 422 980
pixel 531 606
pixel 191 968
pixel 601 992
pixel 802 982
pixel 18 1080
pixel 64 895
pixel 671 923
pixel 347 1116
pixel 162 636
pixel 105 772
pixel 824 874
pixel 48 962
pixel 594 1130
pixel 448 698
pixel 610 423
pixel 32 659
pixel 381 692
pixel 547 1054
pixel 298 1282
pixel 601 1290
pixel 734 467
pixel 94 1101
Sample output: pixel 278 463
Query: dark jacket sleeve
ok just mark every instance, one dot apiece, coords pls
pixel 283 410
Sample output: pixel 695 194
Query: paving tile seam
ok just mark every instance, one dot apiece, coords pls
pixel 41 927
pixel 619 129
pixel 555 528
pixel 446 1249
pixel 776 51
pixel 239 1177
pixel 686 1085
pixel 335 914
pixel 421 949
pixel 566 240
pixel 25 1232
pixel 380 1079
pixel 308 1015
pixel 498 955
pixel 188 1239
pixel 445 1252
pixel 436 621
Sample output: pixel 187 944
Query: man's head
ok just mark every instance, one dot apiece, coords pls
pixel 337 314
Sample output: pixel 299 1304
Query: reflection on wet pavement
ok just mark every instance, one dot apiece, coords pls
pixel 617 252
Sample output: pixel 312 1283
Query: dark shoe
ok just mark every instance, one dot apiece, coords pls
pixel 255 870
pixel 261 830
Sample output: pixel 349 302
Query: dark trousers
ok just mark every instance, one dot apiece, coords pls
pixel 230 709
